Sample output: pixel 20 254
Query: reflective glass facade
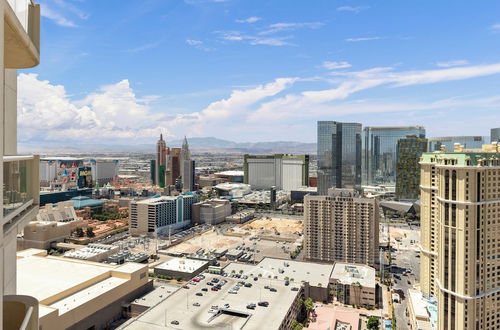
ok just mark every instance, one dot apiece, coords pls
pixel 339 155
pixel 408 169
pixel 380 151
pixel 469 142
pixel 495 134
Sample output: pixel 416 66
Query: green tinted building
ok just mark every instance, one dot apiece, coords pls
pixel 409 150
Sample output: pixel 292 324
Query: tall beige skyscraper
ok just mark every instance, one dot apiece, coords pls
pixel 341 227
pixel 19 175
pixel 161 160
pixel 460 232
pixel 186 167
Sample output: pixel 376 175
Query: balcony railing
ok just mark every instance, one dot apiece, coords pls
pixel 20 312
pixel 20 185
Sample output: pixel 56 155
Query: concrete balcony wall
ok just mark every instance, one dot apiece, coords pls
pixel 21 34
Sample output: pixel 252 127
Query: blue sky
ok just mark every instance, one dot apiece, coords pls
pixel 252 70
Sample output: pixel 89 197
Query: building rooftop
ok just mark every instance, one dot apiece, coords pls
pixel 61 158
pixel 334 318
pixel 182 265
pixel 179 307
pixel 451 138
pixel 489 154
pixel 51 279
pixel 306 189
pixel 228 186
pixel 90 251
pixel 156 296
pixel 354 273
pixel 230 173
pixel 425 311
pixel 162 199
pixel 295 271
pixel 81 202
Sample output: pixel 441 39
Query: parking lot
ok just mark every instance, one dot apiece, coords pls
pixel 199 306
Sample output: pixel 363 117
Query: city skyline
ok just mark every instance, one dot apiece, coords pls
pixel 118 81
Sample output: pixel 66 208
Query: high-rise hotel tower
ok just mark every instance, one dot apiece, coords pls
pixel 460 235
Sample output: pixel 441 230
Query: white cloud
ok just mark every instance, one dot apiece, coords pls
pixel 272 41
pixel 495 27
pixel 279 27
pixel 349 83
pixel 256 40
pixel 449 64
pixel 362 39
pixel 66 5
pixel 198 44
pixel 117 114
pixel 56 17
pixel 251 19
pixel 193 42
pixel 336 65
pixel 46 112
pixel 144 47
pixel 356 9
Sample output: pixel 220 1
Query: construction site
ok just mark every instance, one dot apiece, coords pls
pixel 262 236
pixel 272 229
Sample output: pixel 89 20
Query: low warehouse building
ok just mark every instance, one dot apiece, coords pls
pixel 181 267
pixel 78 294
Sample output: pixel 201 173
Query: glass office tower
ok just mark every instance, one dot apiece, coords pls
pixel 380 152
pixel 469 142
pixel 495 134
pixel 339 155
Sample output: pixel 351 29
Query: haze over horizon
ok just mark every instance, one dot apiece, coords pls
pixel 259 71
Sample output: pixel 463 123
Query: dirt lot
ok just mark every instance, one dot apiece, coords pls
pixel 210 239
pixel 271 226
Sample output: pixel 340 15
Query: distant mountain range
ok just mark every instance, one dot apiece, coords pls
pixel 198 144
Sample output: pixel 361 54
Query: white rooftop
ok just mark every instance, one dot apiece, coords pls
pixel 182 265
pixel 179 307
pixel 313 273
pixel 90 251
pixel 231 173
pixel 157 295
pixel 45 278
pixel 161 199
pixel 353 273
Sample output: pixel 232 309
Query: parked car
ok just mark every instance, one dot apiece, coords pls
pixel 204 289
pixel 263 303
pixel 175 322
pixel 273 290
pixel 251 306
pixel 197 304
pixel 199 294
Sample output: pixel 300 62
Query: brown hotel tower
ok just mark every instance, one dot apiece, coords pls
pixel 460 231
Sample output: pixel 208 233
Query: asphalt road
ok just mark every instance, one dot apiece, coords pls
pixel 405 258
